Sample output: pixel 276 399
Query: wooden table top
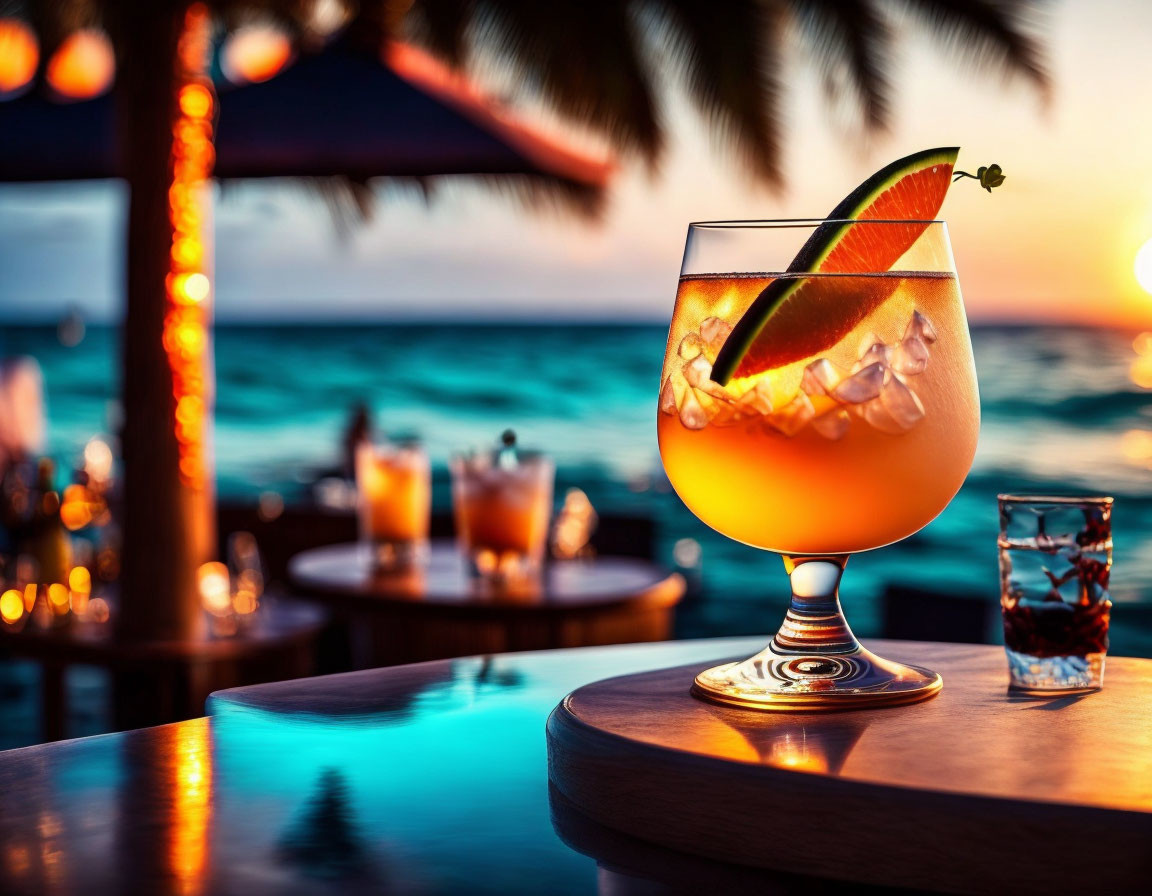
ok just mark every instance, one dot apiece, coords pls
pixel 433 779
pixel 343 574
pixel 1017 780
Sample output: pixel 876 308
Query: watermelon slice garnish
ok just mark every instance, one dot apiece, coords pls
pixel 797 317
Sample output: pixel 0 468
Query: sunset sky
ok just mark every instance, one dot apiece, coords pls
pixel 1056 242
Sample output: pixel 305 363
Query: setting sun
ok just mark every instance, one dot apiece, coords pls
pixel 1143 266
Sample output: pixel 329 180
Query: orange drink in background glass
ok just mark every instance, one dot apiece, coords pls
pixel 502 504
pixel 394 501
pixel 815 415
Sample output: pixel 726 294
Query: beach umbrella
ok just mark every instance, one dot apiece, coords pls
pixel 334 113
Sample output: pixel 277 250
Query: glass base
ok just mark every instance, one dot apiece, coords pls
pixel 1055 674
pixel 387 556
pixel 502 567
pixel 781 681
pixel 814 662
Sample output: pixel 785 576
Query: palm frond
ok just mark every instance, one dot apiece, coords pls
pixel 351 202
pixel 728 57
pixel 988 34
pixel 582 58
pixel 850 43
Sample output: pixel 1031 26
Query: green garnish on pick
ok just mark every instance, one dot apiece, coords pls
pixel 989 176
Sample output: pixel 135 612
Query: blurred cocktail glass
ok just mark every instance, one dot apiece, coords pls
pixel 502 502
pixel 394 498
pixel 849 432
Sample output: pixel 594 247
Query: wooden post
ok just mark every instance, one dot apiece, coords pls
pixel 169 516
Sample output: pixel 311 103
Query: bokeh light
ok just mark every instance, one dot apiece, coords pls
pixel 195 100
pixel 1136 446
pixel 83 65
pixel 255 53
pixel 215 588
pixel 11 605
pixel 79 579
pixel 19 55
pixel 98 610
pixel 58 598
pixel 1140 370
pixel 188 284
pixel 75 507
pixel 98 460
pixel 190 288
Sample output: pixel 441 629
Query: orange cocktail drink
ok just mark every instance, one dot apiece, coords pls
pixel 394 485
pixel 801 459
pixel 502 503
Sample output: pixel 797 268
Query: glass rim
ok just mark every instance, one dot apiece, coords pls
pixel 523 455
pixel 1009 498
pixel 771 223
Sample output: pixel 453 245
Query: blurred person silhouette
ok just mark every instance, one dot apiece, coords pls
pixel 21 410
pixel 359 429
pixel 21 440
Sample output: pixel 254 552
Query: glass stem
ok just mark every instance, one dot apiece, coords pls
pixel 815 624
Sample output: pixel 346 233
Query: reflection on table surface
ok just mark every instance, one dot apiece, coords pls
pixel 324 785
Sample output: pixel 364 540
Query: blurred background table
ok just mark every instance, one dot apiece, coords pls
pixel 154 682
pixel 437 611
pixel 434 779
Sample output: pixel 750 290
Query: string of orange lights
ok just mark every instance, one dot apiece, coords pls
pixel 189 287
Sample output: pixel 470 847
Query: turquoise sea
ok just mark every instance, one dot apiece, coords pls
pixel 1060 414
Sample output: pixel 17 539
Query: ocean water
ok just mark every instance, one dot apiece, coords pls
pixel 1060 414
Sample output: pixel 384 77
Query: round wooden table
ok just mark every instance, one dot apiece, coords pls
pixel 437 610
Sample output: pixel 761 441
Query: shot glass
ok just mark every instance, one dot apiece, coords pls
pixel 502 503
pixel 394 502
pixel 1055 556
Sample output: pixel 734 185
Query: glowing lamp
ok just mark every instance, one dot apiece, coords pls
pixel 195 100
pixel 79 579
pixel 245 602
pixel 215 588
pixel 187 252
pixel 11 605
pixel 98 460
pixel 75 508
pixel 82 66
pixel 58 598
pixel 190 289
pixel 255 54
pixel 19 55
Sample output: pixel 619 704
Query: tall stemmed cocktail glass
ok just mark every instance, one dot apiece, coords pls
pixel 817 415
